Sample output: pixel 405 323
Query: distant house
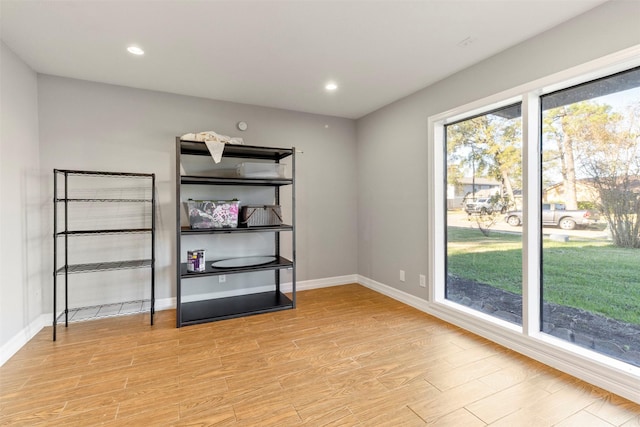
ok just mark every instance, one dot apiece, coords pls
pixel 586 191
pixel 471 187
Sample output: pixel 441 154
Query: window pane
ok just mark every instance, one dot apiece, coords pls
pixel 484 183
pixel 591 215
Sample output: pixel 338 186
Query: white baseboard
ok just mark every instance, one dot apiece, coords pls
pixel 617 377
pixel 327 282
pixel 170 303
pixel 165 303
pixel 23 337
pixel 621 379
pixel 394 293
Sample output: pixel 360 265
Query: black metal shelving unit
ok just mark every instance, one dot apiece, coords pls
pixel 202 311
pixel 68 231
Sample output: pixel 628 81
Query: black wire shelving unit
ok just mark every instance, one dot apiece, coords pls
pixel 64 232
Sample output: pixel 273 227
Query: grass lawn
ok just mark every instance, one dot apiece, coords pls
pixel 593 276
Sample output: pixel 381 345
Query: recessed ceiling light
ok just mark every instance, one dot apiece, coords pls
pixel 331 86
pixel 135 50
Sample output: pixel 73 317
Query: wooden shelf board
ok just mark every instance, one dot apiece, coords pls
pixel 279 264
pixel 261 229
pixel 230 307
pixel 209 180
pixel 237 151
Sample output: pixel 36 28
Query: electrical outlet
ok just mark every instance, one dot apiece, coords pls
pixel 423 281
pixel 222 278
pixel 402 275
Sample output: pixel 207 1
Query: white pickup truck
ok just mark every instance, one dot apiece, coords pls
pixel 556 215
pixel 484 206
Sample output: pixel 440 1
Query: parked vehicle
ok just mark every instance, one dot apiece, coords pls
pixel 483 206
pixel 555 214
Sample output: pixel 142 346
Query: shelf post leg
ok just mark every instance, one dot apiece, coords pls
pixel 293 224
pixel 55 250
pixel 153 246
pixel 66 250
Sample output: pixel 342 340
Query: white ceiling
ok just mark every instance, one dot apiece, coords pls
pixel 274 53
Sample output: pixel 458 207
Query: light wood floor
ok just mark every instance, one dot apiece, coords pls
pixel 346 356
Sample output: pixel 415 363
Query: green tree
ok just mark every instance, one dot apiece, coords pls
pixel 603 146
pixel 611 159
pixel 561 126
pixel 489 145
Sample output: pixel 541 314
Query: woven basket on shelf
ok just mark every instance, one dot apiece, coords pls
pixel 260 215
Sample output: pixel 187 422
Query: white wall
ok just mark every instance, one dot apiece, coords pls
pixel 21 239
pixel 394 200
pixel 377 164
pixel 85 125
pixel 392 142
